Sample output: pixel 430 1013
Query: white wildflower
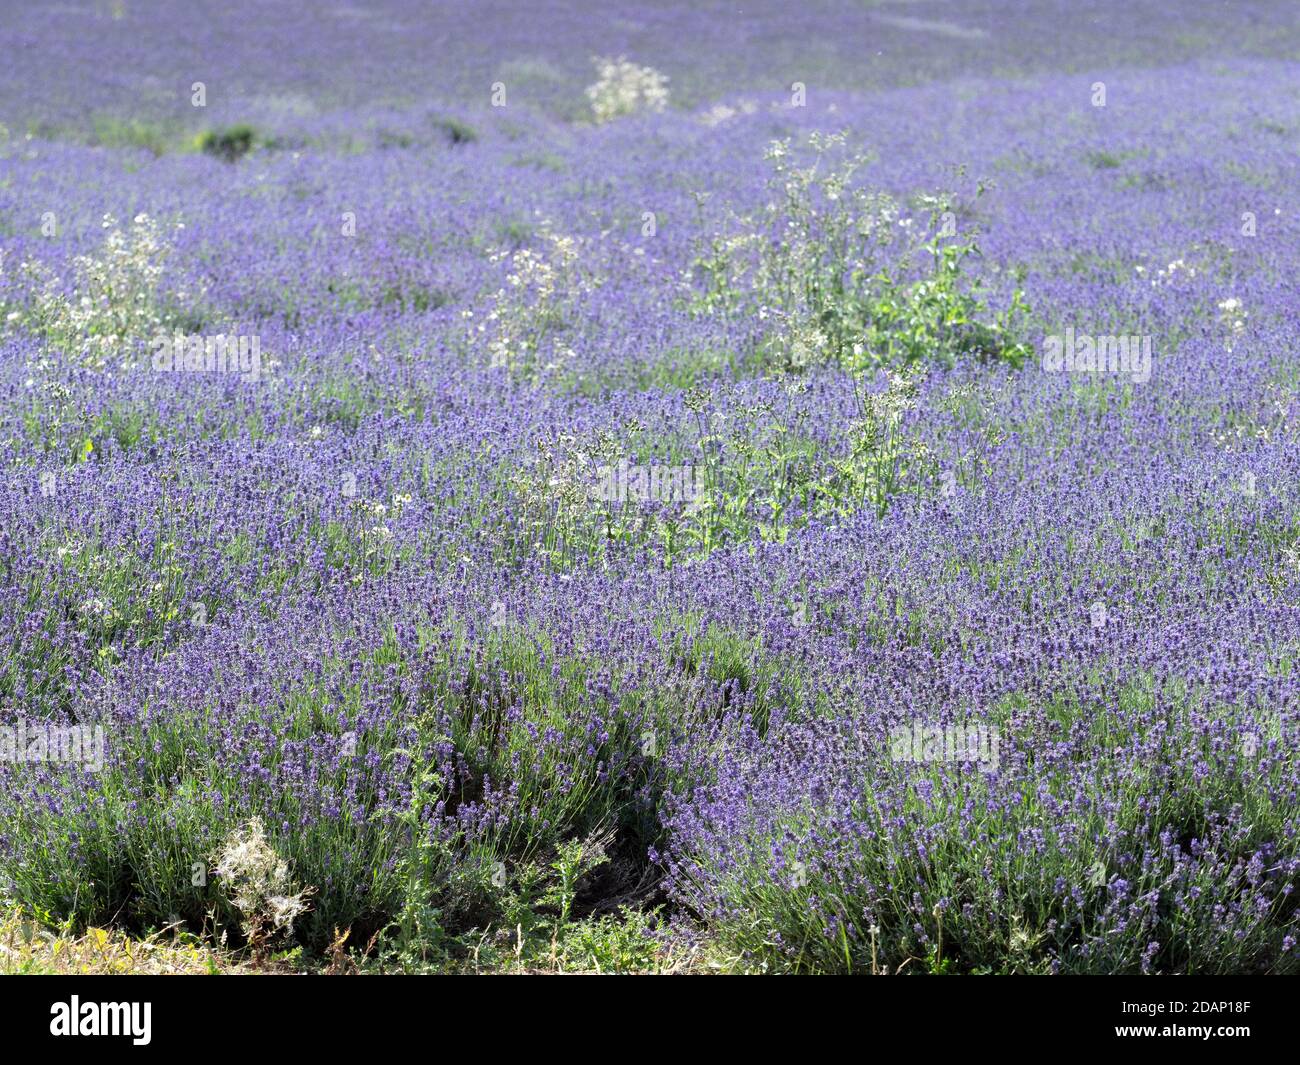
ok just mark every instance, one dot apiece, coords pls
pixel 623 88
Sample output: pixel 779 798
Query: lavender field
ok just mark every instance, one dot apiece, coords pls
pixel 652 487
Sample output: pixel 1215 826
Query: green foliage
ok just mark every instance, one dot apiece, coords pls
pixel 113 132
pixel 938 318
pixel 883 459
pixel 229 144
pixel 615 944
pixel 752 475
pixel 424 875
pixel 456 131
pixel 846 277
